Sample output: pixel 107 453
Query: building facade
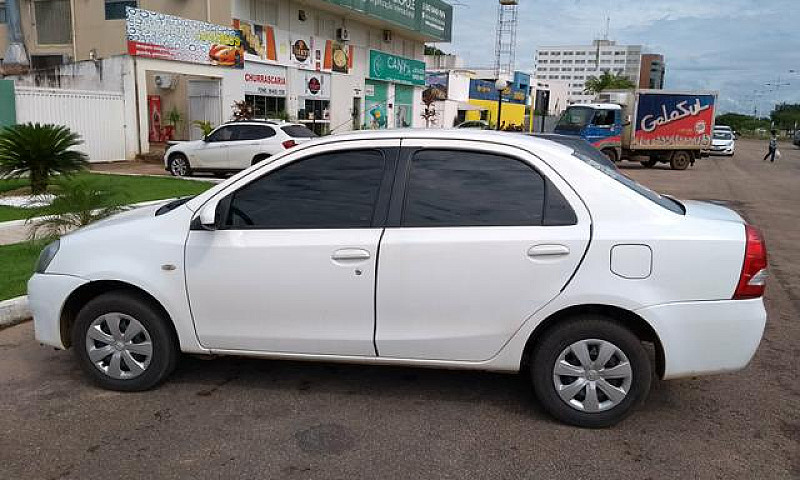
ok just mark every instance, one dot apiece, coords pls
pixel 653 71
pixel 571 65
pixel 334 65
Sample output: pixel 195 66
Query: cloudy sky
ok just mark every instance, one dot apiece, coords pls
pixel 733 46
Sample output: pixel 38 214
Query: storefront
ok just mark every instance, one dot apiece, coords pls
pixel 313 100
pixel 393 91
pixel 265 88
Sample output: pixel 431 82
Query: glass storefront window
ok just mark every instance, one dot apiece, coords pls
pixel 265 108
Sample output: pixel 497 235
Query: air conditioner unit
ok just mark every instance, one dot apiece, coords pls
pixel 387 36
pixel 165 82
pixel 342 34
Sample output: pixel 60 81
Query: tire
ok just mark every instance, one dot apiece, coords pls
pixel 259 158
pixel 179 165
pixel 560 342
pixel 649 163
pixel 135 370
pixel 611 154
pixel 680 160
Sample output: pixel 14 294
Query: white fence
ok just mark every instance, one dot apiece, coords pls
pixel 99 117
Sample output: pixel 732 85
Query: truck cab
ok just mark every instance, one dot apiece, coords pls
pixel 598 123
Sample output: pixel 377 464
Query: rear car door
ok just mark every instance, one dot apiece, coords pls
pixel 479 238
pixel 248 144
pixel 291 266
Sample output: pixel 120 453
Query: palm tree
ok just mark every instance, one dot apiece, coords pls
pixel 40 151
pixel 76 204
pixel 607 81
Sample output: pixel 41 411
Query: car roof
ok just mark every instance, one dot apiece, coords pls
pixel 273 123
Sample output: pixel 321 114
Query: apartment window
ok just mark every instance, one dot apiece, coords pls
pixel 115 9
pixel 567 61
pixel 543 61
pixel 619 61
pixel 555 53
pixel 569 53
pixel 580 61
pixel 605 61
pixel 3 12
pixel 565 77
pixel 53 22
pixel 542 54
pixel 605 53
pixel 553 77
pixel 567 69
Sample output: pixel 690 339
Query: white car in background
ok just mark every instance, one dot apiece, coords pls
pixel 234 146
pixel 449 249
pixel 723 143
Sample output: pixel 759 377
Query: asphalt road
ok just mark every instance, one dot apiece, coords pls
pixel 230 418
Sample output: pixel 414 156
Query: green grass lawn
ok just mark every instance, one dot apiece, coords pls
pixel 18 261
pixel 131 190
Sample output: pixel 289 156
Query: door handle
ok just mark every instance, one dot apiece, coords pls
pixel 350 255
pixel 548 251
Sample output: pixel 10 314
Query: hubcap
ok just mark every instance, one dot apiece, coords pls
pixel 119 346
pixel 592 375
pixel 179 166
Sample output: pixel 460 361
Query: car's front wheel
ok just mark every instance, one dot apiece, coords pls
pixel 590 371
pixel 179 165
pixel 123 342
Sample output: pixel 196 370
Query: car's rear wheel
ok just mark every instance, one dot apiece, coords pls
pixel 124 343
pixel 179 165
pixel 680 160
pixel 590 371
pixel 259 158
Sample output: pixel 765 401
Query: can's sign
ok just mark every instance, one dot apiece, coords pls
pixel 167 37
pixel 393 68
pixel 668 119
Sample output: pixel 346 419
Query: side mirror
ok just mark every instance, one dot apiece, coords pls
pixel 207 219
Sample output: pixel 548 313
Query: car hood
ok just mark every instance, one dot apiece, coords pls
pixel 124 217
pixel 190 144
pixel 711 211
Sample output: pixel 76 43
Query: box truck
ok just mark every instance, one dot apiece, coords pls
pixel 648 126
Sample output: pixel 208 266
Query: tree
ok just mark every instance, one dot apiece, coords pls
pixel 77 203
pixel 607 81
pixel 786 116
pixel 742 123
pixel 40 151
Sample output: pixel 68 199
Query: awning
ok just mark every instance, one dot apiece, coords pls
pixel 470 107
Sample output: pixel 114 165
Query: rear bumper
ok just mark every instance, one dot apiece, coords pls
pixel 47 295
pixel 703 338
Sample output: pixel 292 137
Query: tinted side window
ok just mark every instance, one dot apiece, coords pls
pixel 298 131
pixel 458 188
pixel 604 118
pixel 335 190
pixel 254 132
pixel 223 134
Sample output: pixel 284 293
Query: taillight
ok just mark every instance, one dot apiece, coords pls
pixel 754 271
pixel 289 144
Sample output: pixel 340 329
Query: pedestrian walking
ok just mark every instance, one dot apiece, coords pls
pixel 773 146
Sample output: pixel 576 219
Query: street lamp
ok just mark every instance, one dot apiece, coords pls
pixel 501 84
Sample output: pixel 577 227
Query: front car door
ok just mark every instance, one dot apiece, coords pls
pixel 212 153
pixel 291 267
pixel 480 237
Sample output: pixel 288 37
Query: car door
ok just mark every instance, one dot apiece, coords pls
pixel 212 153
pixel 480 237
pixel 291 267
pixel 248 144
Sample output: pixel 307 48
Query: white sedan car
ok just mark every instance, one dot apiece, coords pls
pixel 723 143
pixel 449 249
pixel 234 146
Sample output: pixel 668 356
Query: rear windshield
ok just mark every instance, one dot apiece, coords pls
pixel 666 202
pixel 298 131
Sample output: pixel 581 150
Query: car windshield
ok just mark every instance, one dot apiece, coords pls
pixel 298 131
pixel 722 135
pixel 575 118
pixel 665 202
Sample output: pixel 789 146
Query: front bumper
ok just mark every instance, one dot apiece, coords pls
pixel 47 294
pixel 703 338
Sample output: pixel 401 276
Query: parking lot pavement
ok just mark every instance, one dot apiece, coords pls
pixel 241 418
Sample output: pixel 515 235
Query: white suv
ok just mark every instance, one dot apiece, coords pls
pixel 449 249
pixel 234 146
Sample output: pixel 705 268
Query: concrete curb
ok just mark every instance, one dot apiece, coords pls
pixel 14 311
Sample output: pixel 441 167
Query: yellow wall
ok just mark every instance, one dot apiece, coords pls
pixel 512 114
